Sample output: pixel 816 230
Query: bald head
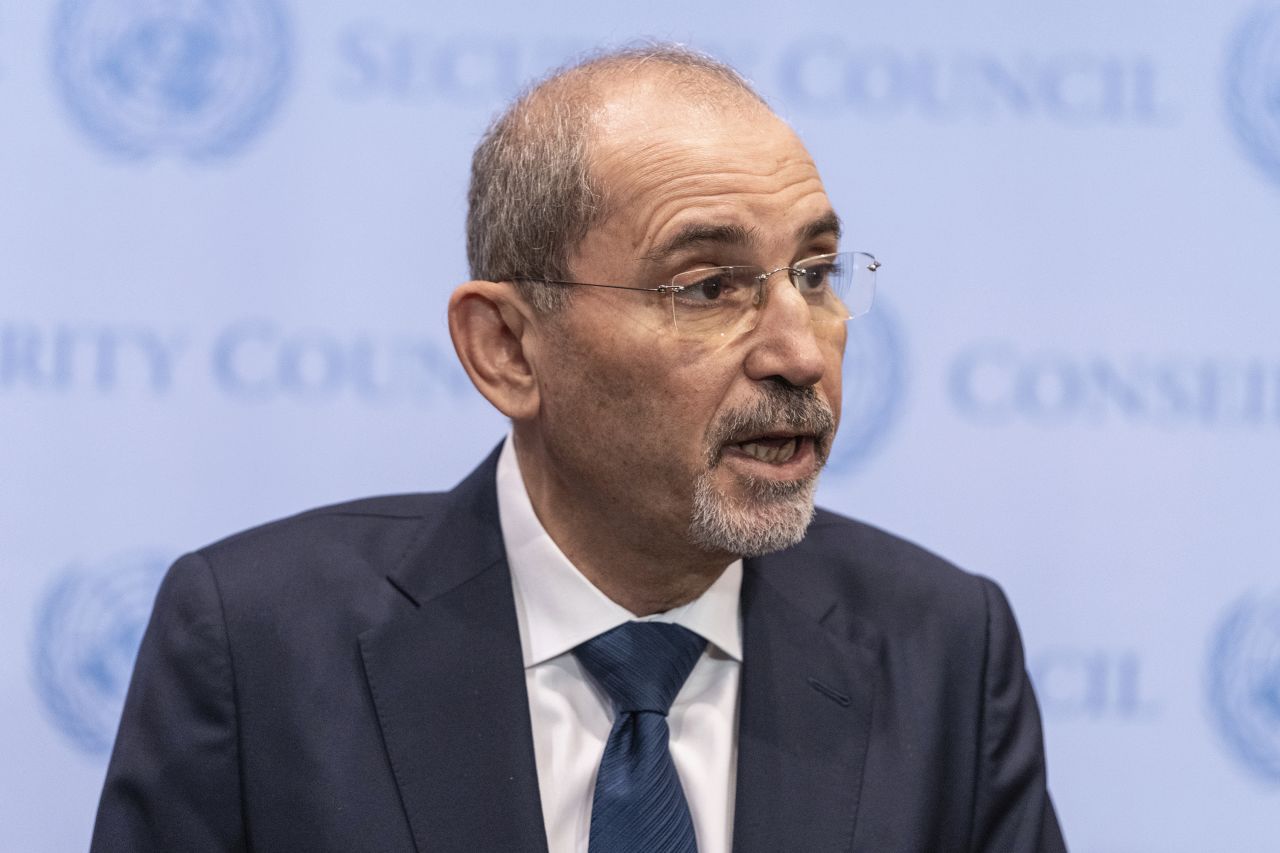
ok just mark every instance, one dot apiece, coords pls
pixel 534 195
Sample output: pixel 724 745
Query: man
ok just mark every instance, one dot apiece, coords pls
pixel 568 651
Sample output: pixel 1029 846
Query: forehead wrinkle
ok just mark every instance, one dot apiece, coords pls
pixel 660 164
pixel 654 177
pixel 697 195
pixel 662 155
pixel 661 180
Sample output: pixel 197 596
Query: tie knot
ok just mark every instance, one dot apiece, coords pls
pixel 642 665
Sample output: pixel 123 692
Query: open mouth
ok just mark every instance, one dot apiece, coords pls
pixel 773 449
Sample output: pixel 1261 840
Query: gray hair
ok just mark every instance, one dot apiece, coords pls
pixel 533 198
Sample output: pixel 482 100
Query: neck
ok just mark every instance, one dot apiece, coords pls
pixel 645 570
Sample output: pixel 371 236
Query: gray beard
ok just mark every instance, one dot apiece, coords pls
pixel 773 515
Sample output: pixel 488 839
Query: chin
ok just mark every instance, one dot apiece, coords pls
pixel 768 516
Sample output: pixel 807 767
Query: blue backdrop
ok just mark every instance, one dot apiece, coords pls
pixel 228 230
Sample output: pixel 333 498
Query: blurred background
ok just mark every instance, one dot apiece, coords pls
pixel 228 230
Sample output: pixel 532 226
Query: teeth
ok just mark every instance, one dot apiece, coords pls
pixel 770 453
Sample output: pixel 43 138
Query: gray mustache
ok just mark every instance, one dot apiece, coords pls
pixel 796 409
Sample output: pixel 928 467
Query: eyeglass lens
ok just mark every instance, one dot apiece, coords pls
pixel 719 300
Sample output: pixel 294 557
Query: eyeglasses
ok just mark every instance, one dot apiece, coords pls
pixel 715 301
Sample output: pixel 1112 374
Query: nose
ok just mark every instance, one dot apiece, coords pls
pixel 786 344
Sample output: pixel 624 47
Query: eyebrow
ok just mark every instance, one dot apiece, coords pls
pixel 826 225
pixel 701 233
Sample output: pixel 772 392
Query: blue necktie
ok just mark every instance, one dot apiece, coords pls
pixel 639 806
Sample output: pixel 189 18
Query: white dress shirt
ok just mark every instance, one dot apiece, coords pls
pixel 558 609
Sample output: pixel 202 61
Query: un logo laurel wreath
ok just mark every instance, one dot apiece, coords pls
pixel 1244 682
pixel 1252 88
pixel 195 78
pixel 87 630
pixel 873 382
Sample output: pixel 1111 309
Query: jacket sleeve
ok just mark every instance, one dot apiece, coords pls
pixel 173 782
pixel 1013 812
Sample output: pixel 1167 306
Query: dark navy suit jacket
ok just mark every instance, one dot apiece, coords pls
pixel 351 679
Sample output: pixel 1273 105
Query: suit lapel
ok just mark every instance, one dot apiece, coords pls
pixel 447 681
pixel 808 682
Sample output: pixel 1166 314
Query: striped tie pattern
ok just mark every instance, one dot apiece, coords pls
pixel 639 806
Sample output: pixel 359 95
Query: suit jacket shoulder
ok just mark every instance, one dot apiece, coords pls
pixel 881 584
pixel 939 738
pixel 254 689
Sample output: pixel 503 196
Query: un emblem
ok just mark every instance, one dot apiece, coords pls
pixel 194 77
pixel 1253 88
pixel 1244 683
pixel 87 631
pixel 873 382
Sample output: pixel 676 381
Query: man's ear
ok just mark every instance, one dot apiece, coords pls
pixel 491 327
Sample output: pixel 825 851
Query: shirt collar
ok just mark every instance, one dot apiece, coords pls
pixel 559 609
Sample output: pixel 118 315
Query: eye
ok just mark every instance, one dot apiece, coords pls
pixel 707 286
pixel 818 276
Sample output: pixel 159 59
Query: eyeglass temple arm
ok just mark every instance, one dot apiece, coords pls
pixel 666 288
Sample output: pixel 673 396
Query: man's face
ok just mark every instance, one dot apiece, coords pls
pixel 712 443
